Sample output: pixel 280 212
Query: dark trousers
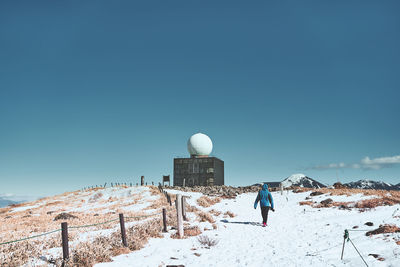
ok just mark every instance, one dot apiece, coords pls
pixel 264 213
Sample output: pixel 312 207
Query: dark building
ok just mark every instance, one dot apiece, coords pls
pixel 198 171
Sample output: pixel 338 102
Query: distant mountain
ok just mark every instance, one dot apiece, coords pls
pixel 369 184
pixel 301 180
pixel 9 199
pixel 6 202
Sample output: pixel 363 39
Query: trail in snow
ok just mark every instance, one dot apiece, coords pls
pixel 292 238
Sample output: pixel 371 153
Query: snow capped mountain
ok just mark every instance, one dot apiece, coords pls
pixel 301 180
pixel 369 184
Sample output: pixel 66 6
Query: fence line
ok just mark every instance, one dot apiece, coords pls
pixel 78 227
pixel 64 225
pixel 30 237
pixel 129 184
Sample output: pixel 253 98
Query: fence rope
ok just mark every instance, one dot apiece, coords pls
pixel 90 225
pixel 143 216
pixel 77 227
pixel 30 237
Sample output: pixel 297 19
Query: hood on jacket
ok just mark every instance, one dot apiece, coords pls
pixel 265 187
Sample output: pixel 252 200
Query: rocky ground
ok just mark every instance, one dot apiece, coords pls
pixel 219 190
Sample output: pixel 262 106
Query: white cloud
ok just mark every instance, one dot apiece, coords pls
pixel 365 163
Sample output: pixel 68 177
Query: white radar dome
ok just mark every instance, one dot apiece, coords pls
pixel 199 145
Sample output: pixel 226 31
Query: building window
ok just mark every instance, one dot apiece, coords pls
pixel 210 170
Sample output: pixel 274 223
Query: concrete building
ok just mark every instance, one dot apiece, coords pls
pixel 200 168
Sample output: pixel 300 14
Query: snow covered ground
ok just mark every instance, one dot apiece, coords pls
pixel 295 236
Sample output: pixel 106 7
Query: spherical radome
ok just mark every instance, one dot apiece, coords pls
pixel 199 145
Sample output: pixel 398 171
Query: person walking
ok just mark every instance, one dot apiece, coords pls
pixel 266 203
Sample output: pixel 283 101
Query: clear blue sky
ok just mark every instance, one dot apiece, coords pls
pixel 99 91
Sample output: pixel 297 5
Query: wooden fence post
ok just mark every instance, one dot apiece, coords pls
pixel 179 215
pixel 164 216
pixel 169 199
pixel 64 238
pixel 123 233
pixel 184 208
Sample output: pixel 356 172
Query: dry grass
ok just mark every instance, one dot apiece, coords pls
pixel 207 241
pixel 188 232
pixel 206 201
pixel 190 208
pixel 301 189
pixel 367 192
pixel 192 231
pixel 105 247
pixel 39 219
pixel 230 214
pixel 215 212
pixel 205 217
pixel 302 203
pixel 154 190
pixel 382 198
pixel 384 229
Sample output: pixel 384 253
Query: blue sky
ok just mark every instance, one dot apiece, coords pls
pixel 103 91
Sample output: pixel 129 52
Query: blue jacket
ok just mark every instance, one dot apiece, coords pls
pixel 265 198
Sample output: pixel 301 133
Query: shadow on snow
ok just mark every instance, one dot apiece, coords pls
pixel 248 223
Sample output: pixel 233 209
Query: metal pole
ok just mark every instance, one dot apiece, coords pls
pixel 344 242
pixel 346 235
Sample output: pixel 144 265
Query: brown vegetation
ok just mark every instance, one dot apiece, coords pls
pixel 230 214
pixel 39 215
pixel 382 198
pixel 190 208
pixel 206 201
pixel 215 212
pixel 207 241
pixel 192 231
pixel 302 203
pixel 384 229
pixel 205 217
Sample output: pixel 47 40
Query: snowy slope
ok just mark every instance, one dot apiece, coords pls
pixel 301 180
pixel 295 236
